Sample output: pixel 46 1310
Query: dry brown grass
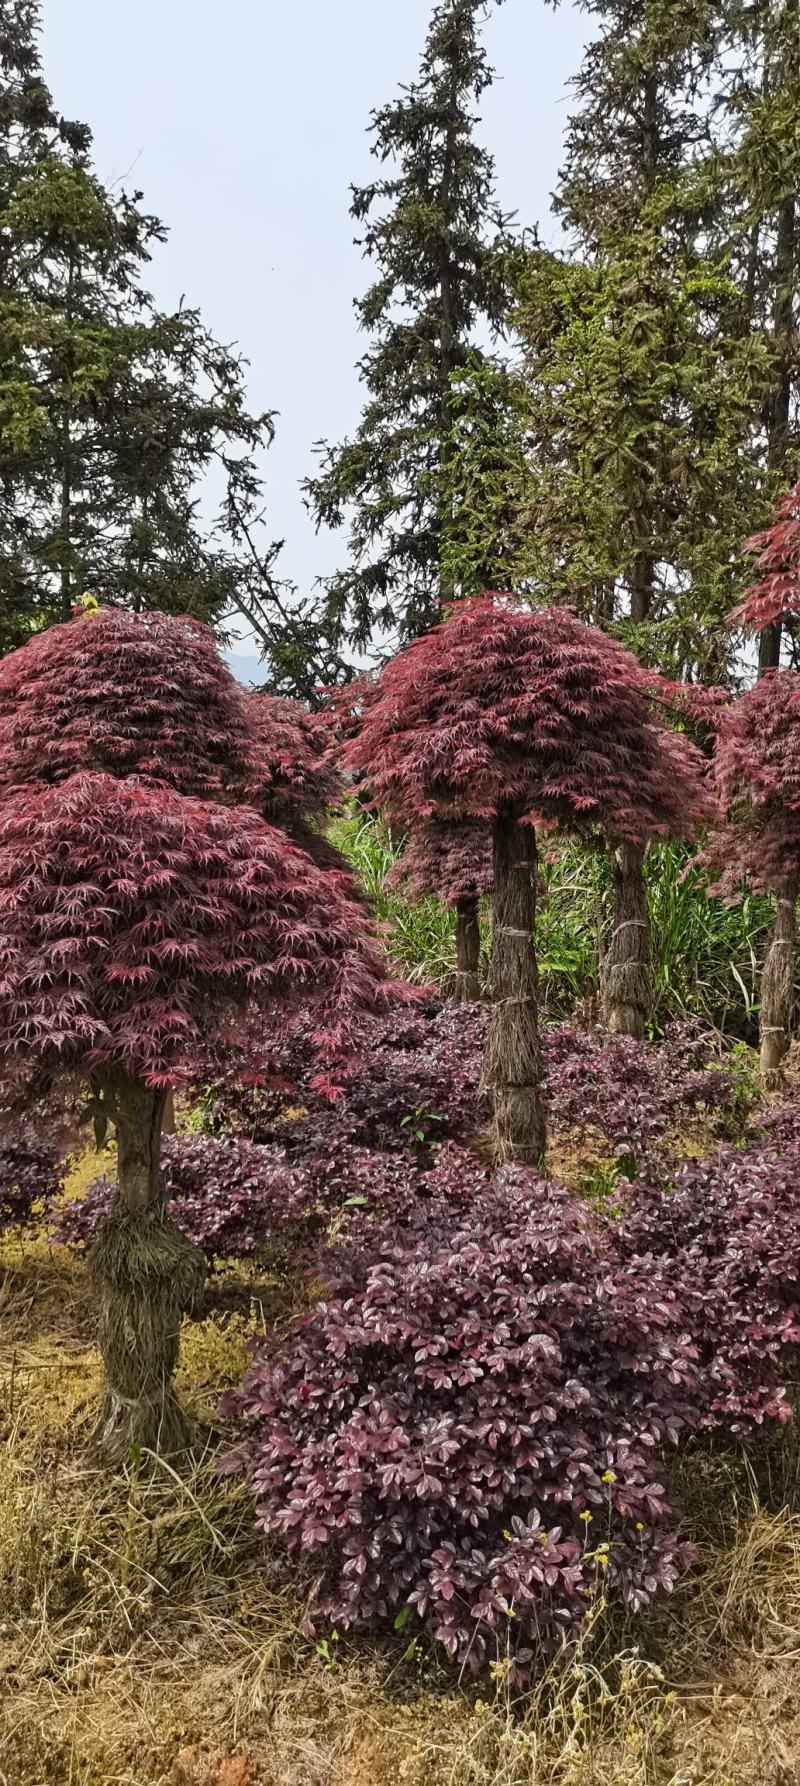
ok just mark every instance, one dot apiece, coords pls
pixel 147 1640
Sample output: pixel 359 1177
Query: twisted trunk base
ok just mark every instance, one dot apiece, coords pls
pixel 777 989
pixel 467 990
pixel 626 967
pixel 512 1069
pixel 148 1276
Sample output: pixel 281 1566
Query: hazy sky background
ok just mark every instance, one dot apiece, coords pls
pixel 244 125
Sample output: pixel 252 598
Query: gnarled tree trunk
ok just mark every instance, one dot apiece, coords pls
pixel 512 1070
pixel 777 987
pixel 148 1276
pixel 626 967
pixel 467 988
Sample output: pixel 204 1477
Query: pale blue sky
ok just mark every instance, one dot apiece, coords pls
pixel 244 125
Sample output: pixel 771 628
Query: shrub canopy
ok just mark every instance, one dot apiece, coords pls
pixel 505 707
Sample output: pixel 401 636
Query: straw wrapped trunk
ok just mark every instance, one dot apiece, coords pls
pixel 626 968
pixel 513 1063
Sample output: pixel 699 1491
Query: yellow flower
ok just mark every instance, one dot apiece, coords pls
pixel 509 1537
pixel 608 1477
pixel 639 1526
pixel 587 1518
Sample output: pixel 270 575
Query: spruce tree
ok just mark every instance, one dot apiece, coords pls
pixel 753 179
pixel 110 412
pixel 430 228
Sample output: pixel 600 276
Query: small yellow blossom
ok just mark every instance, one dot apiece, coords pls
pixel 639 1526
pixel 608 1477
pixel 587 1518
pixel 509 1536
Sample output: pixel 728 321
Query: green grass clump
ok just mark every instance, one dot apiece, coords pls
pixel 706 956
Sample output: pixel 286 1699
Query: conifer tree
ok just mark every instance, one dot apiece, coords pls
pixel 430 227
pixel 644 389
pixel 110 412
pixel 753 180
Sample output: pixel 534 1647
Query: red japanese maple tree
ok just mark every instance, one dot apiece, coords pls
pixel 522 718
pixel 135 925
pixel 757 776
pixel 775 598
pixel 137 913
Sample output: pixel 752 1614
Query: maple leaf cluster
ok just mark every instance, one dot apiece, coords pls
pixel 776 596
pixel 452 860
pixel 757 782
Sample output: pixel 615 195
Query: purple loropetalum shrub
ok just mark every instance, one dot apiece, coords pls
pixel 229 1196
pixel 631 1094
pixel 31 1175
pixel 419 1062
pixel 726 1238
pixel 236 1199
pixel 416 1074
pixel 468 1427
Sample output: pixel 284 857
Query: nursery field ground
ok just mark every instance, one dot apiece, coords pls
pixel 146 1638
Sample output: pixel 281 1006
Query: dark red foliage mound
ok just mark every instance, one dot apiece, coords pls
pixel 757 776
pixel 232 1198
pixel 530 710
pixel 627 1095
pixel 299 755
pixel 416 1066
pixel 133 918
pixel 418 1073
pixel 130 694
pixel 472 1425
pixel 235 1198
pixel 30 1174
pixel 776 596
pixel 726 1239
pixel 432 1435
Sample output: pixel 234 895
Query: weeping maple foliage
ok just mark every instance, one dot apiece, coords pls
pixel 300 759
pixel 301 777
pixel 451 860
pixel 757 779
pixel 128 694
pixel 133 919
pixel 505 706
pixel 776 596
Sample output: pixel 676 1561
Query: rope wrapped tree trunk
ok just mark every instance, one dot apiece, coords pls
pixel 777 987
pixel 467 989
pixel 148 1275
pixel 626 967
pixel 512 1070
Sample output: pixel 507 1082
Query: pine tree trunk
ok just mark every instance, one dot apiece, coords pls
pixel 468 952
pixel 777 988
pixel 626 968
pixel 512 1070
pixel 148 1276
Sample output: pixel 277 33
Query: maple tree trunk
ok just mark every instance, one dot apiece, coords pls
pixel 777 988
pixel 468 952
pixel 148 1276
pixel 626 967
pixel 512 1070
